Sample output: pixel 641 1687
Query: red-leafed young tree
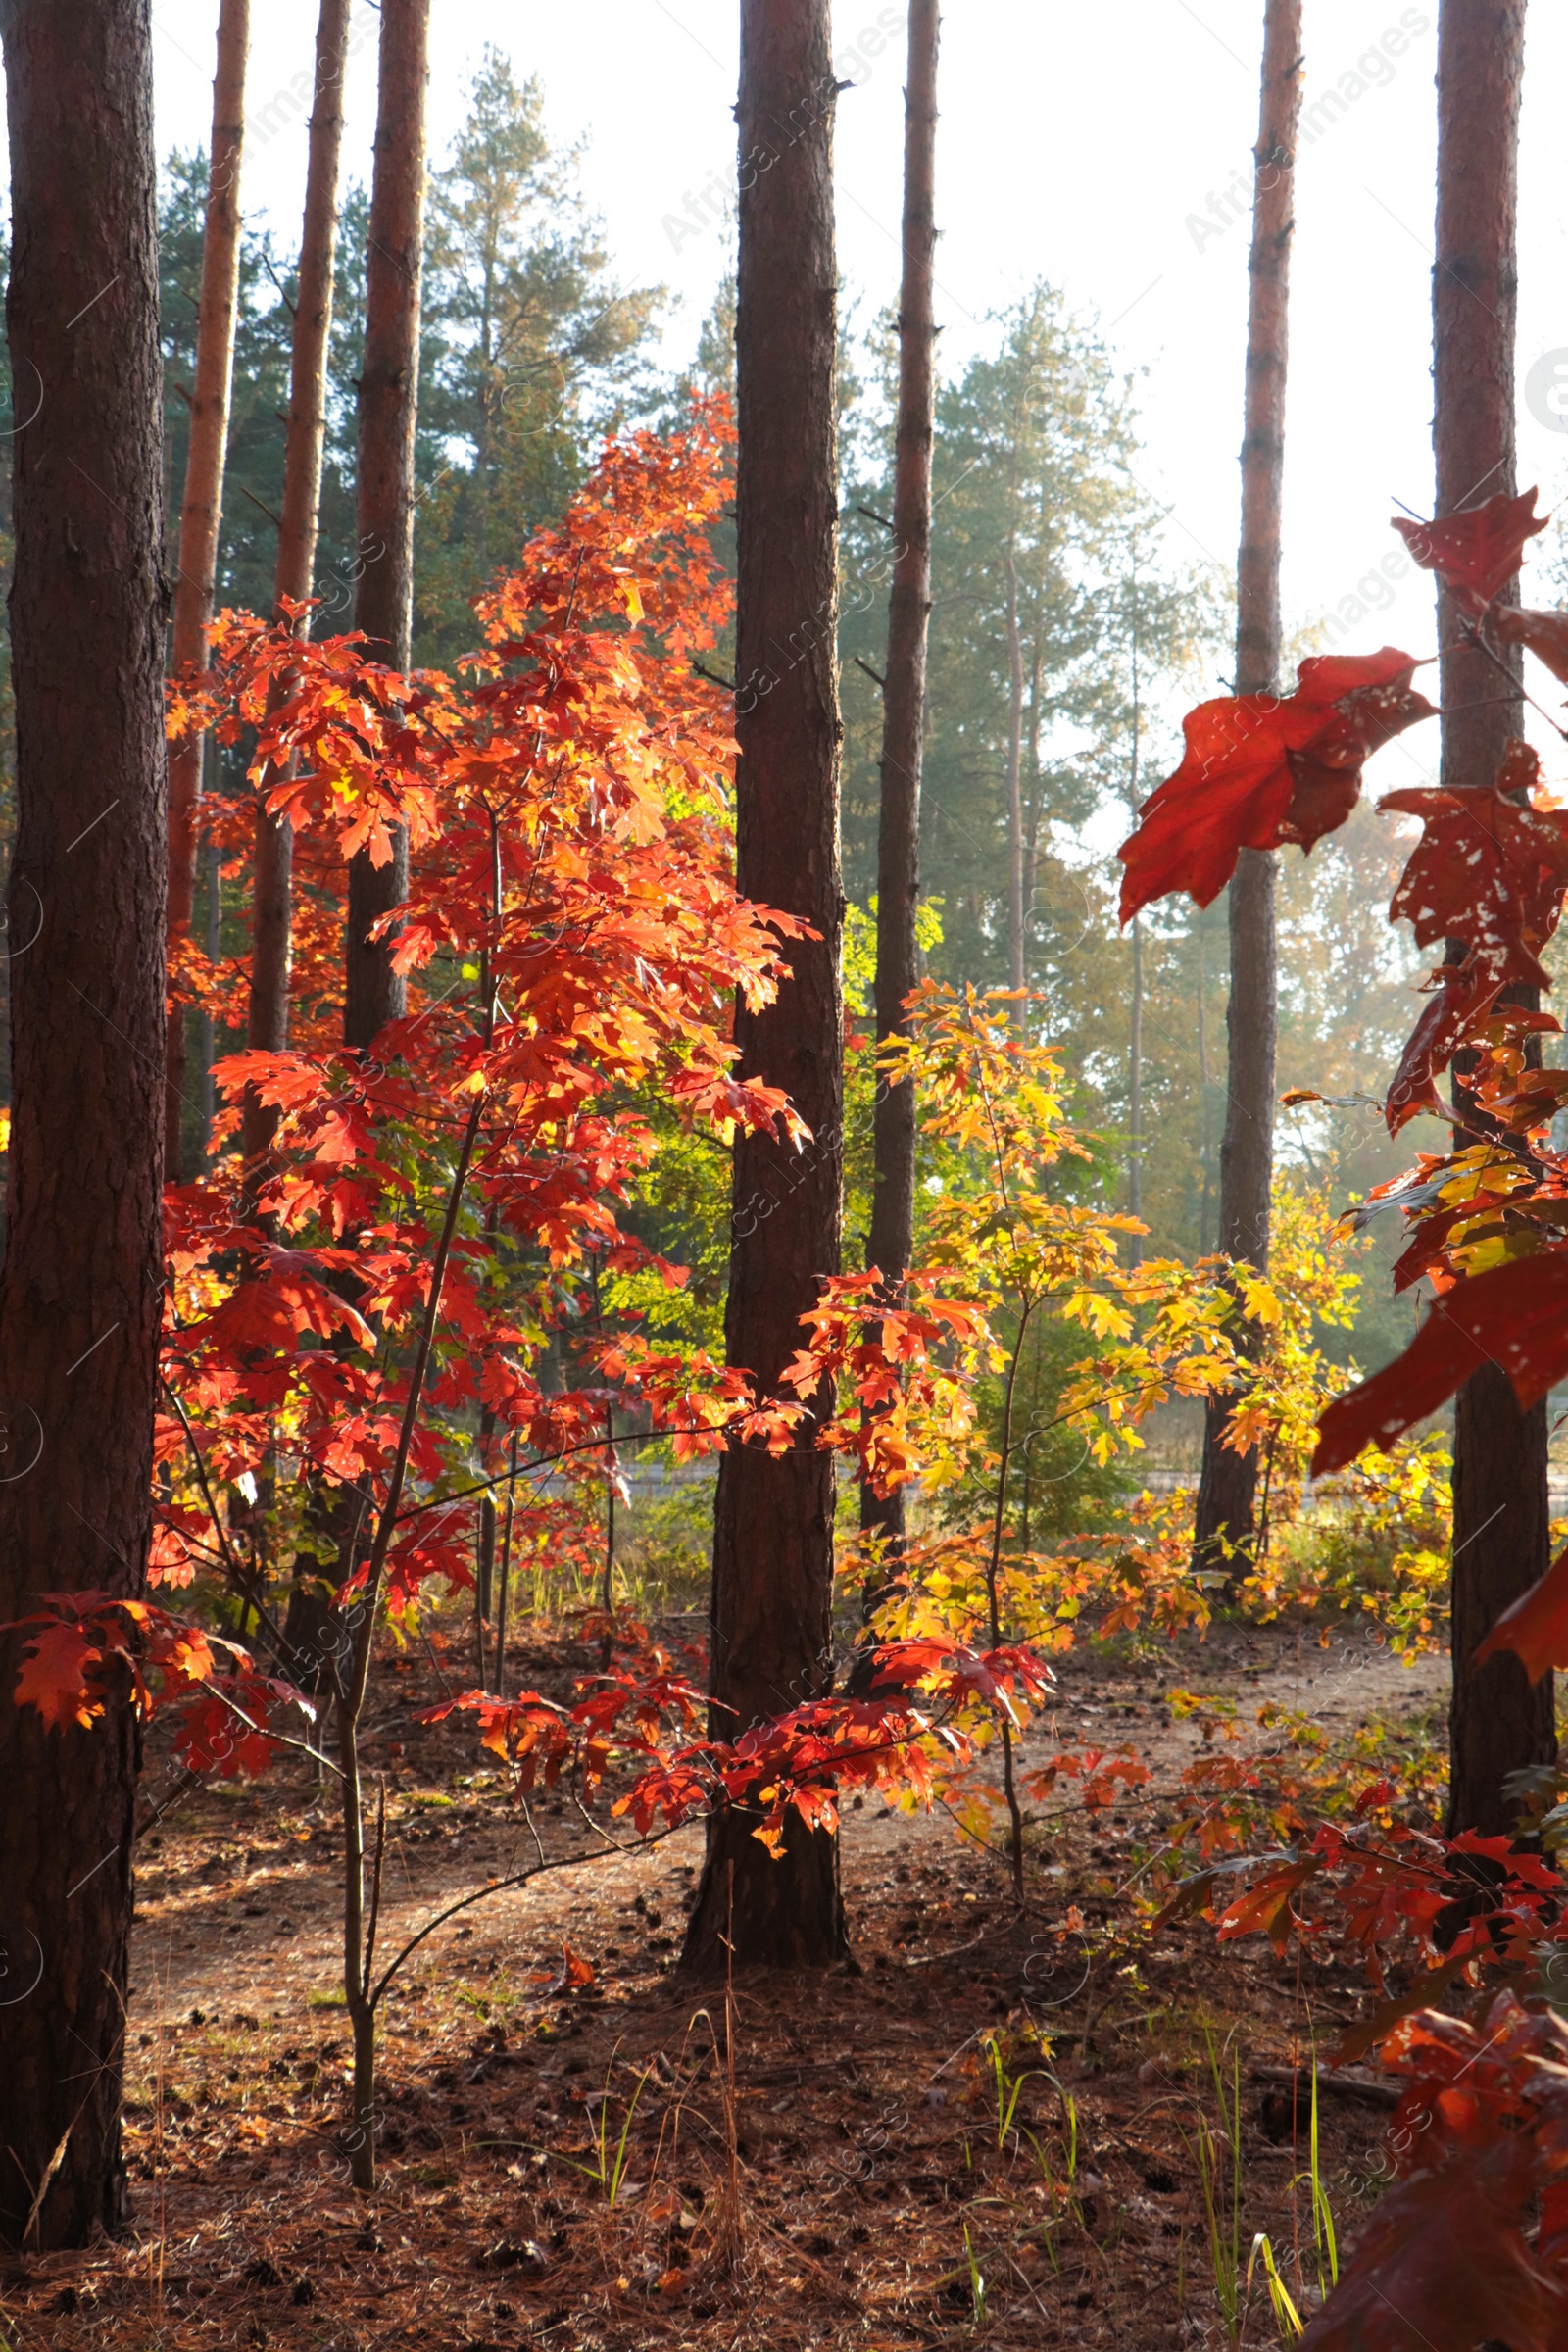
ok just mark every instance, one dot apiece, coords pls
pixel 429 1224
pixel 431 1215
pixel 81 1289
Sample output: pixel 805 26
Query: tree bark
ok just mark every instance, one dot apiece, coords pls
pixel 1224 1532
pixel 202 506
pixel 80 1286
pixel 1135 1089
pixel 1497 1723
pixel 1017 977
pixel 272 918
pixel 898 852
pixel 389 392
pixel 773 1522
pixel 1134 1036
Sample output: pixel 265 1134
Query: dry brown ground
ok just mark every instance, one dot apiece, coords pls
pixel 873 2204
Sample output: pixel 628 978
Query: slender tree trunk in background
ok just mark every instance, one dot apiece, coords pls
pixel 272 920
pixel 201 507
pixel 1135 1038
pixel 897 853
pixel 79 1291
pixel 206 1033
pixel 1017 977
pixel 771 1634
pixel 1204 1085
pixel 1227 1491
pixel 1501 1543
pixel 607 1590
pixel 389 392
pixel 1135 1089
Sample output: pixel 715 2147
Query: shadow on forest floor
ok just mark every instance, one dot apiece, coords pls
pixel 880 2195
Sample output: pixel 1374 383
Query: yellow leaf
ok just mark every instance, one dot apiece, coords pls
pixel 1260 1301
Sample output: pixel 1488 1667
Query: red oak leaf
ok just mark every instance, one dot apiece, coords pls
pixel 1464 996
pixel 1477 551
pixel 1545 633
pixel 1266 1909
pixel 1259 770
pixel 1443 2263
pixel 1514 1316
pixel 574 1972
pixel 54 1675
pixel 1536 1627
pixel 1489 869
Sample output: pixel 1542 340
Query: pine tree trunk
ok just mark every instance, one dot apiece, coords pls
pixel 1224 1532
pixel 272 920
pixel 1016 975
pixel 389 392
pixel 1135 1088
pixel 1135 1035
pixel 1497 1724
pixel 897 853
pixel 80 1288
pixel 773 1520
pixel 202 506
pixel 1205 1090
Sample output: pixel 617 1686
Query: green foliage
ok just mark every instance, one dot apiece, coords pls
pixel 538 352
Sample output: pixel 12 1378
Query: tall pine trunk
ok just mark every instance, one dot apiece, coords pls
pixel 272 920
pixel 1224 1532
pixel 1134 1033
pixel 389 392
pixel 202 505
pixel 898 850
pixel 773 1519
pixel 1501 1543
pixel 1135 1089
pixel 1016 909
pixel 80 1288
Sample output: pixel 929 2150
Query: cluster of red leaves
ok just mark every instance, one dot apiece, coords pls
pixel 1450 2257
pixel 573 942
pixel 886 1364
pixel 1489 873
pixel 573 938
pixel 84 1647
pixel 1261 770
pixel 921 1706
pixel 1381 1888
pixel 1487 880
pixel 1102 1778
pixel 1470 2243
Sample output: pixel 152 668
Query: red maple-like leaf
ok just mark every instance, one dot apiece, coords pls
pixel 1514 1316
pixel 1545 633
pixel 574 1972
pixel 1536 1627
pixel 1443 2263
pixel 56 1675
pixel 1489 869
pixel 1259 770
pixel 1475 553
pixel 1464 996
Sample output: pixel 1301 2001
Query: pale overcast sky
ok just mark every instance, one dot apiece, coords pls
pixel 1104 148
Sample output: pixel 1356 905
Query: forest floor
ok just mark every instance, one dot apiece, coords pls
pixel 820 2163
